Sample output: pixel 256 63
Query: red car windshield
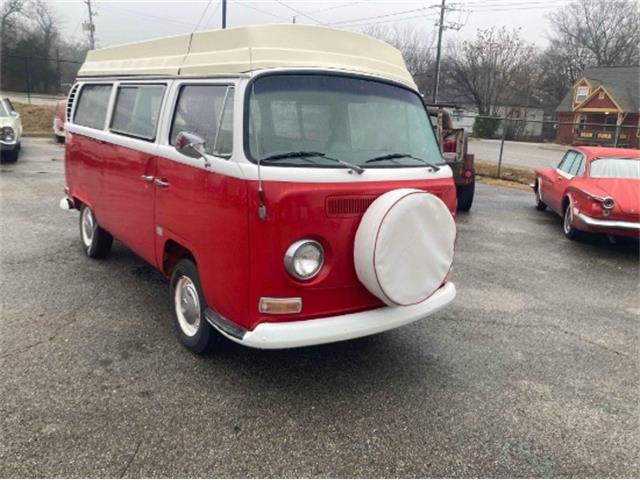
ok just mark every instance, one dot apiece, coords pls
pixel 615 168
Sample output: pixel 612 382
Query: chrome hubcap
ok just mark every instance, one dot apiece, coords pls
pixel 88 226
pixel 187 306
pixel 567 219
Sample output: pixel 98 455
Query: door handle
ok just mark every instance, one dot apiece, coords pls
pixel 147 178
pixel 160 183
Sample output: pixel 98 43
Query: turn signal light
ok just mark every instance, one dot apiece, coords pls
pixel 280 306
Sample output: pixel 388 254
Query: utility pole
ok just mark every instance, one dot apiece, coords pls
pixel 90 26
pixel 294 20
pixel 224 14
pixel 439 53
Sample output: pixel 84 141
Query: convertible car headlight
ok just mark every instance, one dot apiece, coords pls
pixel 7 134
pixel 303 259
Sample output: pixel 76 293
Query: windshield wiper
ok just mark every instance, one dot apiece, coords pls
pixel 395 156
pixel 307 154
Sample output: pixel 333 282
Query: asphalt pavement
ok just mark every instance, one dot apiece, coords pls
pixel 533 371
pixel 517 154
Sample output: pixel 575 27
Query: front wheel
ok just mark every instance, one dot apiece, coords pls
pixel 187 299
pixel 96 241
pixel 465 196
pixel 570 231
pixel 10 156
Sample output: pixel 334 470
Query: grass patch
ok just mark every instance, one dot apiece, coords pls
pixel 37 120
pixel 513 175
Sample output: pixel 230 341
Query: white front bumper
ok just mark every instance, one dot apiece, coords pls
pixel 272 335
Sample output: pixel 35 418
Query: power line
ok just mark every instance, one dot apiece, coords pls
pixel 148 16
pixel 212 14
pixel 206 7
pixel 367 24
pixel 386 15
pixel 358 20
pixel 326 9
pixel 266 12
pixel 295 10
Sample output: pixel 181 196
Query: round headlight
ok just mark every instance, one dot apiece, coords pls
pixel 8 134
pixel 608 203
pixel 303 259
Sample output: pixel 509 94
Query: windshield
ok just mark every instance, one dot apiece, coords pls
pixel 349 119
pixel 3 109
pixel 615 168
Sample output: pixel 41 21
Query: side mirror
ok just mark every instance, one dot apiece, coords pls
pixel 191 145
pixel 15 114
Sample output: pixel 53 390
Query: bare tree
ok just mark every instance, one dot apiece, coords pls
pixel 595 32
pixel 416 47
pixel 10 10
pixel 588 33
pixel 490 70
pixel 45 22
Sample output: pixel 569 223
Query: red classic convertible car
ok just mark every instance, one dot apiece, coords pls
pixel 595 189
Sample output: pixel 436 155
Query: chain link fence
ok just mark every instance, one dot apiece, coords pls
pixel 31 78
pixel 530 143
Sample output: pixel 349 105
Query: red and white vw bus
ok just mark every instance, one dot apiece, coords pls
pixel 286 179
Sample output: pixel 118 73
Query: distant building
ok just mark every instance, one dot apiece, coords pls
pixel 608 96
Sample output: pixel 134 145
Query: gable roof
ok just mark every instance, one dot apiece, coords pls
pixel 623 83
pixel 245 49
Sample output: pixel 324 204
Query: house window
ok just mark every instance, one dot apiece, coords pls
pixel 610 123
pixel 581 94
pixel 601 95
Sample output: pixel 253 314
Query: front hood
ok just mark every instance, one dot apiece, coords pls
pixel 625 192
pixel 9 122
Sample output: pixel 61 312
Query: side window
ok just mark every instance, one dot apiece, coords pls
pixel 92 106
pixel 207 111
pixel 567 162
pixel 578 166
pixel 136 110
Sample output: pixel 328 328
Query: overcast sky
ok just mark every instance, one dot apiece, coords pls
pixel 127 21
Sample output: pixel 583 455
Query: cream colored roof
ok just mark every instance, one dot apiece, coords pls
pixel 245 49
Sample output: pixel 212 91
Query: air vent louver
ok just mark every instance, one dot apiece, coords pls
pixel 70 100
pixel 347 206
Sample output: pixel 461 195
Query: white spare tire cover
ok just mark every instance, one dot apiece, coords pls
pixel 404 246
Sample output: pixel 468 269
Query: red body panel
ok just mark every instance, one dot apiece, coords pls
pixel 557 189
pixel 127 201
pixel 207 213
pixel 298 210
pixel 215 217
pixel 83 171
pixel 59 116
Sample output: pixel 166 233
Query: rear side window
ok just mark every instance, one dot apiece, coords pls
pixel 207 111
pixel 137 109
pixel 568 161
pixel 578 166
pixel 92 106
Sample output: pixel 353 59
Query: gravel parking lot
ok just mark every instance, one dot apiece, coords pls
pixel 532 372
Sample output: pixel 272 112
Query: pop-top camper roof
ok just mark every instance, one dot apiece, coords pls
pixel 245 49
